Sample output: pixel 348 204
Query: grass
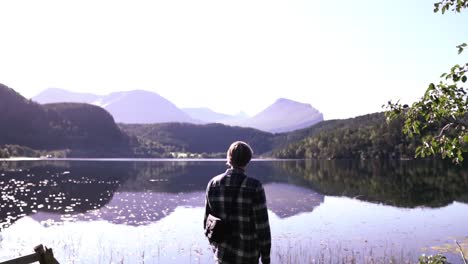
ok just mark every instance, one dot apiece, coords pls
pixel 285 252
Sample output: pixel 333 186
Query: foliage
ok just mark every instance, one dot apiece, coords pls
pixel 452 5
pixel 88 130
pixel 364 137
pixel 190 138
pixel 4 153
pixel 433 259
pixel 441 115
pixel 143 147
pixel 83 128
pixel 21 151
pixel 86 126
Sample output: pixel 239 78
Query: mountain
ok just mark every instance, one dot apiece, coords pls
pixel 209 116
pixel 82 128
pixel 136 106
pixel 91 126
pixel 283 116
pixel 143 107
pixel 235 119
pixel 56 95
pixel 362 137
pixel 87 130
pixel 22 121
pixel 209 138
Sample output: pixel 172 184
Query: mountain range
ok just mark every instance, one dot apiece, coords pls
pixel 133 107
pixel 85 130
pixel 59 126
pixel 144 107
pixel 207 115
pixel 283 116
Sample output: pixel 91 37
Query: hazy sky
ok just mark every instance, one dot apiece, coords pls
pixel 344 57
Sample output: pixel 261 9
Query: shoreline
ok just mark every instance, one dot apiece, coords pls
pixel 131 159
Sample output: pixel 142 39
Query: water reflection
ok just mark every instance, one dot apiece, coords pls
pixel 287 200
pixel 131 208
pixel 139 193
pixel 406 184
pixel 60 188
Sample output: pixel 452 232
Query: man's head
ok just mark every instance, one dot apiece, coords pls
pixel 239 154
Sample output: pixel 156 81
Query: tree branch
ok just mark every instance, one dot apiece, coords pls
pixel 447 126
pixel 461 252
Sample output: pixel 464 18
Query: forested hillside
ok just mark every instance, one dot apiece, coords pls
pixel 185 137
pixel 90 131
pixel 363 137
pixel 88 127
pixel 24 122
pixel 82 129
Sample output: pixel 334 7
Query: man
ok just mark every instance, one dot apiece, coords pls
pixel 240 202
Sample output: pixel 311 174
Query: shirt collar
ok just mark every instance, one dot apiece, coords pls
pixel 235 171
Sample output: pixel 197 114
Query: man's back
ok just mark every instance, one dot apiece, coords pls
pixel 247 217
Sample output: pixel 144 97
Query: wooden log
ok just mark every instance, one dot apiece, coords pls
pixel 49 257
pixel 23 260
pixel 44 256
pixel 40 251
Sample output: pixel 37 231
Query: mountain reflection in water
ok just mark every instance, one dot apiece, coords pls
pixel 287 200
pixel 131 208
pixel 142 192
pixel 143 208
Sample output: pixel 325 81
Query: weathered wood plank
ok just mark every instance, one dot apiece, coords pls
pixel 43 256
pixel 24 259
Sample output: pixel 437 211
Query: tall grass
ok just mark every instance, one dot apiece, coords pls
pixel 283 252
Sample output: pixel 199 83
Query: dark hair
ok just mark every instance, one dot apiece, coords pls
pixel 239 154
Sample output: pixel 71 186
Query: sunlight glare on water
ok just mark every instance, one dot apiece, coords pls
pixel 135 212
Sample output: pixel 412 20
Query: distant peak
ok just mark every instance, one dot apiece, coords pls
pixel 289 101
pixel 138 92
pixel 141 91
pixel 55 89
pixel 279 100
pixel 241 114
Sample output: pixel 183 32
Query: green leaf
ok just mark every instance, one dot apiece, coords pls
pixel 445 100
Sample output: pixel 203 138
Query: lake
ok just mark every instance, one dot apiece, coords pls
pixel 151 211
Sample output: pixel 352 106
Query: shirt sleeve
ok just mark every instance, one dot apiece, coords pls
pixel 207 205
pixel 262 224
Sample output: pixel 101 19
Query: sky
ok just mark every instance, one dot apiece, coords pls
pixel 345 58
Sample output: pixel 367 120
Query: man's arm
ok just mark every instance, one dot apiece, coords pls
pixel 262 225
pixel 207 205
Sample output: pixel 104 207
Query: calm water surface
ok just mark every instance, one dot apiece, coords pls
pixel 140 211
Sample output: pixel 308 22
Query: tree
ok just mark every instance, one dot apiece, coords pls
pixel 440 117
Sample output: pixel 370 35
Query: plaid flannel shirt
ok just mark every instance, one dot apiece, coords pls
pixel 247 217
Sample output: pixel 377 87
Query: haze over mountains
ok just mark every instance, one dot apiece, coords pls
pixel 144 107
pixel 210 116
pixel 283 116
pixel 138 106
pixel 71 129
